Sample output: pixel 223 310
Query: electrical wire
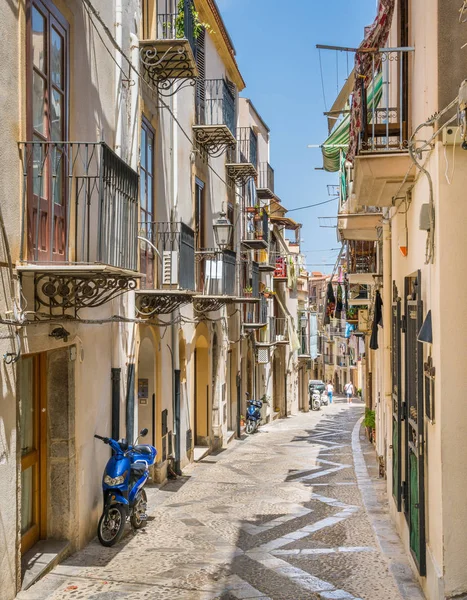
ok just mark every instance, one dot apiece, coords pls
pixel 322 80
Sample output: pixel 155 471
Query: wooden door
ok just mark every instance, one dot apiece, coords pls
pixel 33 450
pixel 47 103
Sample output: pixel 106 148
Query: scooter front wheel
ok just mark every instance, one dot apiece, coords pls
pixel 138 516
pixel 250 426
pixel 111 525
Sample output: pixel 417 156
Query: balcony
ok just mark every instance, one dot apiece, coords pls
pixel 383 168
pixel 267 261
pixel 265 187
pixel 255 316
pixel 362 262
pixel 359 294
pixel 242 160
pixel 357 222
pixel 279 330
pixel 216 280
pixel 256 228
pixel 215 116
pixel 170 57
pixel 170 255
pixel 79 226
pixel 280 270
pixel 328 359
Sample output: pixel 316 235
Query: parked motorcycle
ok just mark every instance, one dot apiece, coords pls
pixel 125 474
pixel 253 414
pixel 315 400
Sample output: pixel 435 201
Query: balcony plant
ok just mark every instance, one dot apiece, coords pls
pixel 370 424
pixel 198 26
pixel 248 291
pixel 250 209
pixel 267 292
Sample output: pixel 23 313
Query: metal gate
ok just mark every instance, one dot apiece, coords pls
pixel 397 407
pixel 415 482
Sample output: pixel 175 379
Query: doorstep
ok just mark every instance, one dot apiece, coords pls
pixel 42 558
pixel 230 436
pixel 199 452
pixel 275 415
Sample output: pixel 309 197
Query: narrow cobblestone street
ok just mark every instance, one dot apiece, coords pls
pixel 288 514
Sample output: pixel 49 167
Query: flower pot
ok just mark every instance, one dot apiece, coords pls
pixel 250 209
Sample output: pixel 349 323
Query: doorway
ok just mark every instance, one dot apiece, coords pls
pixel 201 421
pixel 147 409
pixel 33 400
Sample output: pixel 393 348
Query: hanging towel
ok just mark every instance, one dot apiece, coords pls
pixel 377 320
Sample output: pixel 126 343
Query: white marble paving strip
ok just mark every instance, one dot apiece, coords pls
pixel 257 529
pixel 241 589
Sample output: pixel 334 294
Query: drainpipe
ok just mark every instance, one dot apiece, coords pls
pixel 176 398
pixel 116 374
pixel 116 327
pixel 387 330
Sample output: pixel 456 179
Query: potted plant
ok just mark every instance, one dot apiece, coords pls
pixel 370 424
pixel 242 421
pixel 250 209
pixel 248 291
pixel 267 292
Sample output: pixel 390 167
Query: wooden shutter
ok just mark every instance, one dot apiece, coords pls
pixel 201 80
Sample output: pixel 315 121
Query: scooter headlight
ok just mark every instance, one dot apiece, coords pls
pixel 114 481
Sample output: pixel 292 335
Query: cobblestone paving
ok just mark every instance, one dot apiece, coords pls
pixel 279 516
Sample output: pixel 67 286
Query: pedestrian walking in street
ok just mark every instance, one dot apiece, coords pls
pixel 330 390
pixel 349 390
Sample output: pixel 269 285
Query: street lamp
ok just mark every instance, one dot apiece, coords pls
pixel 223 230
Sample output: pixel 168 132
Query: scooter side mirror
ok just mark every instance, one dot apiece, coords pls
pixel 143 432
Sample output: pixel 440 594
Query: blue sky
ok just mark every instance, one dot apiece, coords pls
pixel 275 43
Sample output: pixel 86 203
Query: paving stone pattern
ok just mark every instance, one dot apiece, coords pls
pixel 278 516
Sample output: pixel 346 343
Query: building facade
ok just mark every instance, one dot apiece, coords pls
pixel 402 172
pixel 150 280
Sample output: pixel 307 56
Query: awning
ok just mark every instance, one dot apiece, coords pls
pixel 286 222
pixel 338 142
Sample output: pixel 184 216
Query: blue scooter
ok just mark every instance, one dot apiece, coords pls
pixel 123 482
pixel 253 414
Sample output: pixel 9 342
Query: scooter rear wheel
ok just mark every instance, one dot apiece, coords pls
pixel 139 508
pixel 111 525
pixel 250 426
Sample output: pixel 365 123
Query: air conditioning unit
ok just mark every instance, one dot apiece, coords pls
pixel 170 267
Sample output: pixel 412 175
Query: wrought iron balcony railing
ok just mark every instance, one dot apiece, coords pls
pixel 167 257
pixel 255 316
pixel 242 160
pixel 255 229
pixel 80 205
pixel 171 56
pixel 173 254
pixel 216 273
pixel 279 330
pixel 385 105
pixel 265 187
pixel 280 261
pixel 362 257
pixel 214 128
pixel 79 225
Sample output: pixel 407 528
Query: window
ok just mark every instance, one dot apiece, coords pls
pixel 200 226
pixel 147 202
pixel 47 121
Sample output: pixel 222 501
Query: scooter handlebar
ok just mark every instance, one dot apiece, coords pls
pixel 104 439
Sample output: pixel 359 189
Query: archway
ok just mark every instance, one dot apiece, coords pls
pixel 202 416
pixel 147 389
